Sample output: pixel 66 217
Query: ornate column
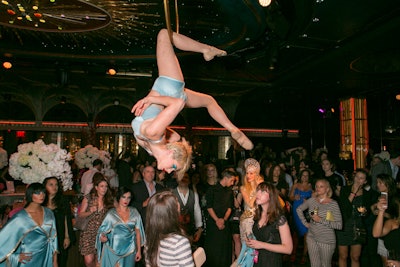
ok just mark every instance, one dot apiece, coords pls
pixel 354 138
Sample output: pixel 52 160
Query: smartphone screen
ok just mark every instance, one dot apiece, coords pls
pixel 385 195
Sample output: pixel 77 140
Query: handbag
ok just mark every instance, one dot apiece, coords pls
pixel 81 223
pixel 359 235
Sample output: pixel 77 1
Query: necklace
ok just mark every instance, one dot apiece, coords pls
pixel 321 200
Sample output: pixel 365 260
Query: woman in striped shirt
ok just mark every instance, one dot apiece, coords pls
pixel 325 218
pixel 166 244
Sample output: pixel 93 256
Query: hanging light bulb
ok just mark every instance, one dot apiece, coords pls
pixel 111 71
pixel 7 65
pixel 264 3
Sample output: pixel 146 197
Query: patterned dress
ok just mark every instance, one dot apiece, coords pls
pixel 87 240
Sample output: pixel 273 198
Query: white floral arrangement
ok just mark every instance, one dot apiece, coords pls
pixel 36 161
pixel 84 158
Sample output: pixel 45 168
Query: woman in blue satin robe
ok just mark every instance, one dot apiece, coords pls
pixel 30 238
pixel 121 235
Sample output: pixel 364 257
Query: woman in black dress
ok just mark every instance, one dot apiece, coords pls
pixel 62 212
pixel 355 203
pixel 271 229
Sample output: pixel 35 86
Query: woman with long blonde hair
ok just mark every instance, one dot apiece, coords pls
pixel 248 190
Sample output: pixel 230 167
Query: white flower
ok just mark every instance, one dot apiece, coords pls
pixel 36 161
pixel 84 158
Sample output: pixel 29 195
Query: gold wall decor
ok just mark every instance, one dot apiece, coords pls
pixel 354 138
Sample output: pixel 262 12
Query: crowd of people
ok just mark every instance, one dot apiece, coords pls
pixel 238 215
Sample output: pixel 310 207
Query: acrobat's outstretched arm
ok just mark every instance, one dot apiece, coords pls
pixel 155 128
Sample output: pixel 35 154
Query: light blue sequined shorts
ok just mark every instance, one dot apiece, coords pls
pixel 167 86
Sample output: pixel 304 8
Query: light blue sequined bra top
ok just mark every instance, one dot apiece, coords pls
pixel 165 86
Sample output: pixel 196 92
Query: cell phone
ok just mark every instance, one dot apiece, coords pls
pixel 385 195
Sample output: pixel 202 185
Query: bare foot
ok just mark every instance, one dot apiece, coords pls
pixel 212 52
pixel 242 139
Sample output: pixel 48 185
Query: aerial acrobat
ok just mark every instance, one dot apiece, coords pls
pixel 168 96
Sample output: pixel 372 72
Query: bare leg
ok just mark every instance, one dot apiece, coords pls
pixel 185 43
pixel 90 260
pixel 355 252
pixel 168 64
pixel 237 246
pixel 199 100
pixel 343 252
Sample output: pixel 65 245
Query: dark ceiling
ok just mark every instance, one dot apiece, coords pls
pixel 284 60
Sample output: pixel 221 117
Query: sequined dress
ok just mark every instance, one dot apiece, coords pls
pixel 246 219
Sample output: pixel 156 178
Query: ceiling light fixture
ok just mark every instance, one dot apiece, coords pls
pixel 7 65
pixel 264 3
pixel 111 71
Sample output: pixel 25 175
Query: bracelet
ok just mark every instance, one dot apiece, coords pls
pixel 355 194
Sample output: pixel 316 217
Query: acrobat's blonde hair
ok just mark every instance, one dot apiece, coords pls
pixel 182 152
